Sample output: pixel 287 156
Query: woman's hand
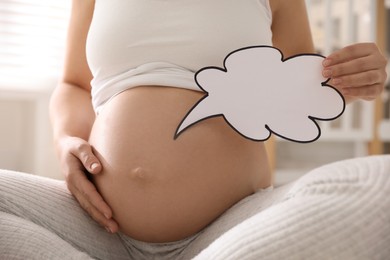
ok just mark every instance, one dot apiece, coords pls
pixel 77 159
pixel 358 71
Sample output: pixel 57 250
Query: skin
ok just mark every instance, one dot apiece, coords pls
pixel 358 71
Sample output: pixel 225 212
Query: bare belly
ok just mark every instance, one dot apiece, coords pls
pixel 161 189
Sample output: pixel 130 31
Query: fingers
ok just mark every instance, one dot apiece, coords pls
pixel 353 66
pixel 77 157
pixel 92 202
pixel 358 70
pixel 366 93
pixel 83 151
pixel 367 78
pixel 351 52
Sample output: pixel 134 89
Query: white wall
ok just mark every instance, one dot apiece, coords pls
pixel 16 140
pixel 25 132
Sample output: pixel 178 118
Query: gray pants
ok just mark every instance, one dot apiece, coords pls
pixel 338 211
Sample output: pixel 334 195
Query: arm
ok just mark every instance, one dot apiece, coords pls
pixel 290 27
pixel 72 118
pixel 70 105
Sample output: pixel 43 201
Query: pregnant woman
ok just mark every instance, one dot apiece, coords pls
pixel 128 82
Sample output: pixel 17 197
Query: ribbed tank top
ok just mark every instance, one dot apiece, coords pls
pixel 164 42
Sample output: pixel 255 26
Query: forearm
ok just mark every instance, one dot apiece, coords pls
pixel 71 112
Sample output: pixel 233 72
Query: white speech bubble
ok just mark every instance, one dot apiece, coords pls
pixel 259 93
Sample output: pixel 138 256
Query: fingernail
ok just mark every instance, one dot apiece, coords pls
pixel 327 73
pixel 107 215
pixel 94 166
pixel 108 230
pixel 336 81
pixel 326 62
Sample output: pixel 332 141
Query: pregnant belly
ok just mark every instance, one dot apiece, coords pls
pixel 161 189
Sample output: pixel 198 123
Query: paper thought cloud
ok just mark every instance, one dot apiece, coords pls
pixel 259 93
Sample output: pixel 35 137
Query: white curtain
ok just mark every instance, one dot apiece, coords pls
pixel 32 38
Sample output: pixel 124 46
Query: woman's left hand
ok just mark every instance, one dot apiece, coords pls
pixel 358 71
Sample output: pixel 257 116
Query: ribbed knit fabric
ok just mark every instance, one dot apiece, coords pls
pixel 338 211
pixel 39 219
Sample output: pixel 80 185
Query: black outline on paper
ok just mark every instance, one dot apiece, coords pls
pixel 224 69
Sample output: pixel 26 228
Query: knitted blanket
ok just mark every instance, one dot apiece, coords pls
pixel 338 211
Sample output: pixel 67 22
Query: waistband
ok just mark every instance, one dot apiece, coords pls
pixel 163 251
pixel 154 73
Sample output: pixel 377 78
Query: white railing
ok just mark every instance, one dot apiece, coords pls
pixel 338 23
pixel 384 126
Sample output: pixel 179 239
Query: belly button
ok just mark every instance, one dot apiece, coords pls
pixel 138 173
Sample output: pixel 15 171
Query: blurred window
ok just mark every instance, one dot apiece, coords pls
pixel 32 37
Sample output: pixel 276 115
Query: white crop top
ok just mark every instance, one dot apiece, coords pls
pixel 164 42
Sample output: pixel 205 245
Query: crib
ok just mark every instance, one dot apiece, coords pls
pixel 364 127
pixel 346 20
pixel 337 23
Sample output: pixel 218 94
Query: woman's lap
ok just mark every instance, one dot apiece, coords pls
pixel 342 209
pixel 338 211
pixel 45 205
pixel 22 239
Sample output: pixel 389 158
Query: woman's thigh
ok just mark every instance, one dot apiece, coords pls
pixel 38 203
pixel 21 239
pixel 340 210
pixel 236 215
